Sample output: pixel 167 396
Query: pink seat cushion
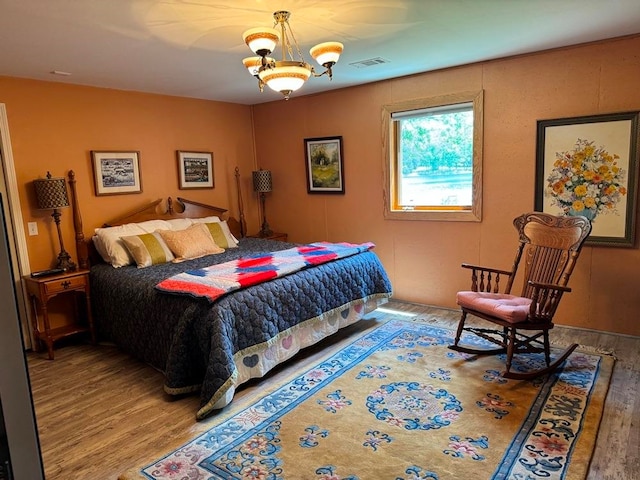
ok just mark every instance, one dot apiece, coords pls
pixel 509 308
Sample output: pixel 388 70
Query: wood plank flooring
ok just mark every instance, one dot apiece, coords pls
pixel 100 412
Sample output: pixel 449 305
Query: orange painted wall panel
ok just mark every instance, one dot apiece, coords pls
pixel 423 258
pixel 54 127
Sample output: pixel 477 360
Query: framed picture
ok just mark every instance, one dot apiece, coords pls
pixel 116 173
pixel 195 170
pixel 325 167
pixel 589 166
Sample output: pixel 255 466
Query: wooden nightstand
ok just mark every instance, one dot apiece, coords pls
pixel 43 289
pixel 274 236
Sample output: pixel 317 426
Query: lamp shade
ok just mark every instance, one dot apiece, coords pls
pixel 262 181
pixel 327 53
pixel 253 64
pixel 51 192
pixel 286 77
pixel 261 40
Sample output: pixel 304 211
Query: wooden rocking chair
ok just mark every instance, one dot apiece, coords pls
pixel 549 247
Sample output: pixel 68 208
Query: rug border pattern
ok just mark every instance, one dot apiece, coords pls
pixel 266 410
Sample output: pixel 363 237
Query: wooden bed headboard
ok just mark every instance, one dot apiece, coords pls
pixel 156 210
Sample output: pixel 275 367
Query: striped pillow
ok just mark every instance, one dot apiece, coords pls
pixel 147 249
pixel 221 234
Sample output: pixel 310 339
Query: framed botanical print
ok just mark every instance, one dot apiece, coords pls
pixel 589 166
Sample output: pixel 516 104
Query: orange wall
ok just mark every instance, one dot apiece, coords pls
pixel 422 257
pixel 54 127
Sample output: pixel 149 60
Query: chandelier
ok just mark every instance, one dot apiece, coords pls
pixel 285 76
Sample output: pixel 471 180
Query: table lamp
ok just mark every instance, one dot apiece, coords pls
pixel 263 184
pixel 51 193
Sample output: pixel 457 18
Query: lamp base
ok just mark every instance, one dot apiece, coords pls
pixel 64 262
pixel 265 231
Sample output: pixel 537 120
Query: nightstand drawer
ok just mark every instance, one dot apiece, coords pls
pixel 63 284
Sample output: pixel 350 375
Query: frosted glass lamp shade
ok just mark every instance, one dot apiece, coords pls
pixel 261 40
pixel 327 53
pixel 286 77
pixel 253 64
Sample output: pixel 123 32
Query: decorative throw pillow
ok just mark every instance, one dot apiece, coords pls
pixel 111 247
pixel 222 235
pixel 148 249
pixel 192 242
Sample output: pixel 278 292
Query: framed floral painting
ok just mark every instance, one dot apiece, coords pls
pixel 589 166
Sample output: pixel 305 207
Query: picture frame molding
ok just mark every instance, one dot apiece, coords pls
pixel 185 156
pixel 335 145
pixel 596 129
pixel 104 174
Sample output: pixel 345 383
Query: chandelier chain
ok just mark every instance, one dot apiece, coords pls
pixel 288 31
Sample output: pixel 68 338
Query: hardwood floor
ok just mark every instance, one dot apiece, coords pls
pixel 100 412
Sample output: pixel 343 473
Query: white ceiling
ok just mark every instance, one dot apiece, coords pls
pixel 194 48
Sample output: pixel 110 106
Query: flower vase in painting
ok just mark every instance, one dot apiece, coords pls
pixel 586 181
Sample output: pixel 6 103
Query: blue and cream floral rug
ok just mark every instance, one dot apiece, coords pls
pixel 398 404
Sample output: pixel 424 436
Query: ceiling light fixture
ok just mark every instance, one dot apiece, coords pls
pixel 285 76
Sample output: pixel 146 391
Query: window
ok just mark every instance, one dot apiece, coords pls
pixel 433 158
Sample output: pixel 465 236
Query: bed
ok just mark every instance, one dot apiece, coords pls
pixel 214 346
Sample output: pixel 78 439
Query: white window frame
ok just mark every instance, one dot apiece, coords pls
pixel 391 148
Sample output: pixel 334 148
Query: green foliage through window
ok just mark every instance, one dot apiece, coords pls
pixel 433 163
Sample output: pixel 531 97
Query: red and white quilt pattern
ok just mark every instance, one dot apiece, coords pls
pixel 217 280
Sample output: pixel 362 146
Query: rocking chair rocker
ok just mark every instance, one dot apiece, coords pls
pixel 549 247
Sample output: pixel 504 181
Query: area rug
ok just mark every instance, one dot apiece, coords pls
pixel 398 404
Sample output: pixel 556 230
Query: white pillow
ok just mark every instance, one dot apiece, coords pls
pixel 179 223
pixel 212 219
pixel 100 248
pixel 151 226
pixel 112 247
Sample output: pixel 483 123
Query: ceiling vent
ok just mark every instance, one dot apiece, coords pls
pixel 369 62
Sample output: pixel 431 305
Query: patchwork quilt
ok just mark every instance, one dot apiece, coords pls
pixel 214 281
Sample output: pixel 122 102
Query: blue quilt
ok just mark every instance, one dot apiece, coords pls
pixel 193 341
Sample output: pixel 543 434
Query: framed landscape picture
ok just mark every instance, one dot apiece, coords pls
pixel 195 170
pixel 324 163
pixel 589 166
pixel 116 172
